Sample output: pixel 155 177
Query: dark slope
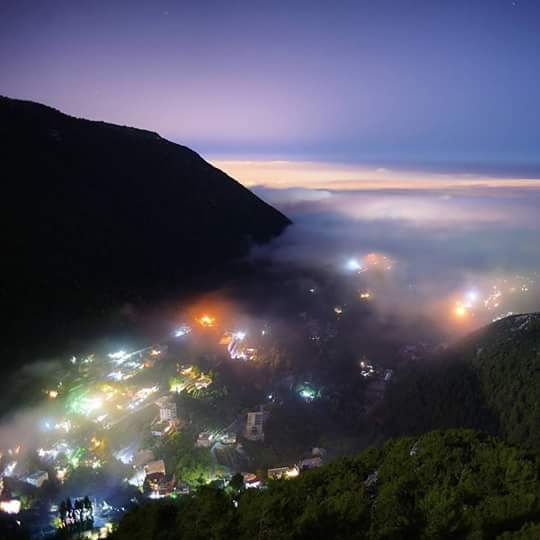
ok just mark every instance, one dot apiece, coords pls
pixel 489 381
pixel 96 214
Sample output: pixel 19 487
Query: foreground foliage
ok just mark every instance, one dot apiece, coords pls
pixel 445 484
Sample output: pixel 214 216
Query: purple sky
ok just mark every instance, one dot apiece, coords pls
pixel 438 83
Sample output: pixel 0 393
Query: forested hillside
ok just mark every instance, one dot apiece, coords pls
pixel 490 381
pixel 444 484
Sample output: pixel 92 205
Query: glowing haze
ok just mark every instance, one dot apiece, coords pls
pixel 349 177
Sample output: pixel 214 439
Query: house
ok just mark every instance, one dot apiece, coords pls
pixel 204 440
pixel 254 430
pixel 156 482
pixel 37 479
pixel 10 506
pixel 310 463
pixel 228 438
pixel 182 488
pixel 251 480
pixel 154 467
pixel 161 428
pixel 283 472
pixel 312 460
pixel 167 409
pixel 151 485
pixel 160 485
pixel 142 457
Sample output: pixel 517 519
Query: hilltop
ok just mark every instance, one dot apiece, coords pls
pixel 96 215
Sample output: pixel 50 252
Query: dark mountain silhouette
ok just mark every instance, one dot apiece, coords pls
pixel 97 214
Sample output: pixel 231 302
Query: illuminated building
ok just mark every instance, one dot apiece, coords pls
pixel 167 409
pixel 366 368
pixel 251 480
pixel 155 467
pixel 12 506
pixel 228 438
pixel 159 485
pixel 161 429
pixel 204 440
pixel 255 426
pixel 37 478
pixel 283 472
pixel 182 331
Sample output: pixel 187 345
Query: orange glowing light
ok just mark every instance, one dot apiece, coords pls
pixel 460 311
pixel 226 340
pixel 207 321
pixel 293 472
pixel 96 443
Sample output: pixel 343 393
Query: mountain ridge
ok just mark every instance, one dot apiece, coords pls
pixel 96 215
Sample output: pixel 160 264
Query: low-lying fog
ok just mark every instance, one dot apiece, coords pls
pixel 466 256
pixel 360 278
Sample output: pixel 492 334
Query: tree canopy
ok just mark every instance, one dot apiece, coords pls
pixel 444 484
pixel 490 381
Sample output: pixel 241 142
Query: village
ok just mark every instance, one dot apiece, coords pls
pixel 226 393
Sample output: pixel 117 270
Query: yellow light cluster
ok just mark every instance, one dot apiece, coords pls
pixel 207 321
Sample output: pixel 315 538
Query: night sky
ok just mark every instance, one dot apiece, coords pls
pixel 444 85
